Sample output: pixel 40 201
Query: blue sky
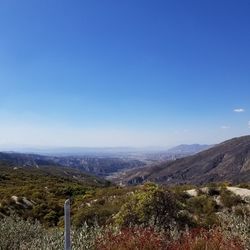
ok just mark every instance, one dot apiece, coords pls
pixel 123 73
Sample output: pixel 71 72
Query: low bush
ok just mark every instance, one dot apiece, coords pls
pixel 234 225
pixel 213 191
pixel 229 199
pixel 132 238
pixel 201 204
pixel 16 233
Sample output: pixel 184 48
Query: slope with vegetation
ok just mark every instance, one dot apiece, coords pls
pixel 39 193
pixel 93 164
pixel 145 217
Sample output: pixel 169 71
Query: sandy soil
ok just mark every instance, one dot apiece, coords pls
pixel 243 192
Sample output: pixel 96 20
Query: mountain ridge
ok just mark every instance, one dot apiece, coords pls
pixel 227 161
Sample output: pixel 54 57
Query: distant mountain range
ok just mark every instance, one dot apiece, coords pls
pixel 104 151
pixel 198 164
pixel 228 161
pixel 100 161
pixel 188 149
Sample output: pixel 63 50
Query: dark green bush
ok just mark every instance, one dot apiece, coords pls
pixel 229 199
pixel 213 191
pixel 202 204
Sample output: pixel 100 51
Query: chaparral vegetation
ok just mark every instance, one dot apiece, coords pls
pixel 106 216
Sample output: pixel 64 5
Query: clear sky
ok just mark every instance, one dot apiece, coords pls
pixel 124 73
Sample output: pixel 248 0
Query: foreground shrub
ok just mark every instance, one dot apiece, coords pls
pixel 203 239
pixel 132 238
pixel 236 226
pixel 149 239
pixel 151 206
pixel 16 233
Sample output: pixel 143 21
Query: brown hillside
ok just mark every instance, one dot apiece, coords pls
pixel 228 161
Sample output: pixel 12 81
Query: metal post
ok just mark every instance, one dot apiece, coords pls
pixel 67 242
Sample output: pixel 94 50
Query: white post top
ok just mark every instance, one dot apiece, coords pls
pixel 67 202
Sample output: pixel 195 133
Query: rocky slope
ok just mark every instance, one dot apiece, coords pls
pixel 228 161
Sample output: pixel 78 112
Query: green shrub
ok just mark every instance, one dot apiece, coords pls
pixel 92 215
pixel 244 185
pixel 229 199
pixel 213 191
pixel 151 205
pixel 201 204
